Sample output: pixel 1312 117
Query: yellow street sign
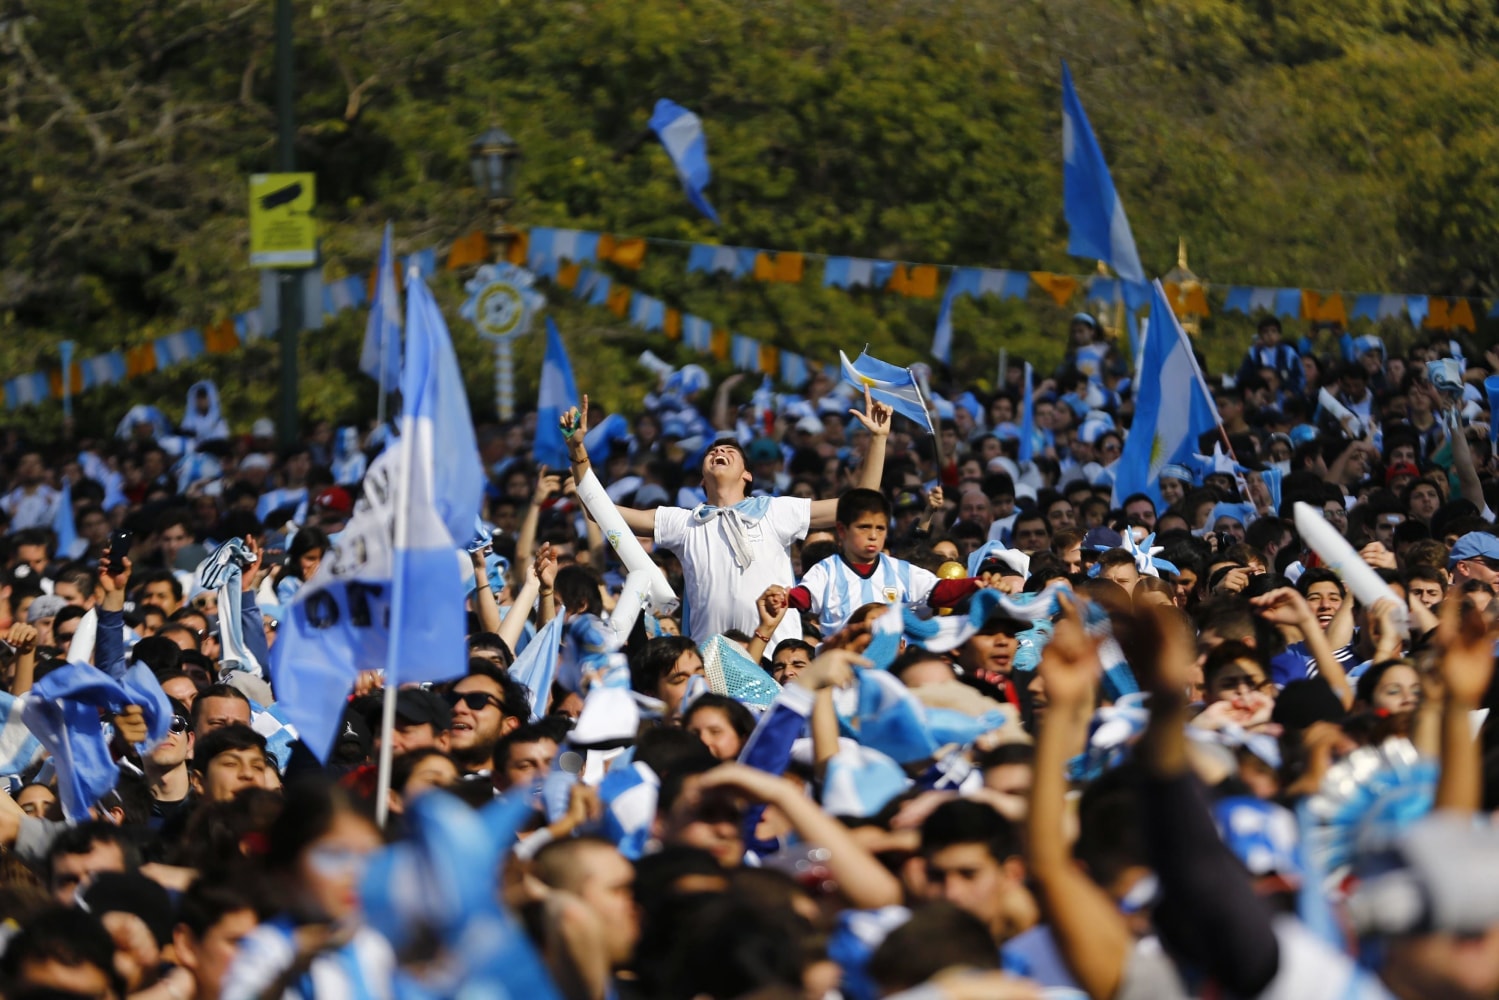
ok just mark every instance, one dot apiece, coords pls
pixel 282 230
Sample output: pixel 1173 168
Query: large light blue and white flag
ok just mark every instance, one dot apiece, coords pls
pixel 559 393
pixel 1027 450
pixel 681 133
pixel 391 594
pixel 896 387
pixel 1097 226
pixel 381 357
pixel 19 748
pixel 64 526
pixel 1173 406
pixel 536 667
pixel 860 781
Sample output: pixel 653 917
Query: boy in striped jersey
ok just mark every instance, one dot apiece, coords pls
pixel 861 573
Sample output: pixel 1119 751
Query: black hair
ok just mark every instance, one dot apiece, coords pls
pixel 312 806
pixel 656 661
pixel 222 740
pixel 1226 653
pixel 529 733
pixel 208 901
pixel 304 541
pixel 913 656
pixel 81 839
pixel 79 576
pixel 578 591
pixel 1369 680
pixel 215 691
pixel 493 643
pixel 741 719
pixel 793 645
pixel 1318 574
pixel 1007 754
pixel 159 653
pixel 858 502
pixel 939 936
pixel 964 821
pixel 402 767
pixel 65 935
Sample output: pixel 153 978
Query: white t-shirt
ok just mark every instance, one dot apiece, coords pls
pixel 837 591
pixel 719 595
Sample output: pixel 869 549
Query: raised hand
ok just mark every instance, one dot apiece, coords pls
pixel 548 485
pixel 23 637
pixel 934 499
pixel 1467 642
pixel 833 668
pixel 771 606
pixel 1283 606
pixel 130 723
pixel 875 415
pixel 574 422
pixel 114 579
pixel 546 566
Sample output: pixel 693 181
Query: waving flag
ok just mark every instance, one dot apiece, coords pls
pixel 1173 406
pixel 397 562
pixel 1096 223
pixel 895 387
pixel 1027 450
pixel 536 667
pixel 559 393
pixel 681 133
pixel 62 711
pixel 381 357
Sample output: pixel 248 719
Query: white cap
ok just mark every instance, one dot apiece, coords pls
pixel 263 428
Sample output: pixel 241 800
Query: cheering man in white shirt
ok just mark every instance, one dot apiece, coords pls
pixel 734 547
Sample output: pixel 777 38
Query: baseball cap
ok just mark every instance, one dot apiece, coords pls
pixel 1400 469
pixel 1473 545
pixel 418 706
pixel 1085 318
pixel 334 498
pixel 908 500
pixel 762 450
pixel 1102 539
pixel 263 428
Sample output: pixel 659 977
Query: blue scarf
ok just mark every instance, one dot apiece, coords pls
pixel 735 518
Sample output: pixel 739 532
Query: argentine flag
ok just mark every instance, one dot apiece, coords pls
pixel 895 387
pixel 1173 406
pixel 559 393
pixel 681 133
pixel 1097 227
pixel 381 357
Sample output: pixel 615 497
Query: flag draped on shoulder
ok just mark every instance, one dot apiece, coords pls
pixel 381 357
pixel 1096 223
pixel 1173 406
pixel 681 133
pixel 391 594
pixel 896 387
pixel 559 393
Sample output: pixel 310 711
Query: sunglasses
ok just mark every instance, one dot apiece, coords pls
pixel 65 637
pixel 476 701
pixel 179 725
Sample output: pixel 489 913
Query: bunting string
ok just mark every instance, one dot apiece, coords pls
pixel 570 258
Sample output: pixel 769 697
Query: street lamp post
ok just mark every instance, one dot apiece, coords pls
pixel 494 160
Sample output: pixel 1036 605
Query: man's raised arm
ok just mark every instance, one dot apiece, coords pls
pixel 574 430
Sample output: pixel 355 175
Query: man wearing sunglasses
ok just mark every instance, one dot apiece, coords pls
pixel 1474 557
pixel 167 772
pixel 486 705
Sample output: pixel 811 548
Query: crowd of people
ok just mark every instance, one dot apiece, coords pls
pixel 927 720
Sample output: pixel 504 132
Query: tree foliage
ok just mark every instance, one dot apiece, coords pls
pixel 1334 144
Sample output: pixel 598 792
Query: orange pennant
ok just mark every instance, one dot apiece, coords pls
pixel 1059 286
pixel 619 300
pixel 628 253
pixel 567 275
pixel 520 249
pixel 54 379
pixel 789 267
pixel 719 345
pixel 466 251
pixel 1437 317
pixel 770 359
pixel 764 270
pixel 923 283
pixel 220 338
pixel 140 360
pixel 1461 316
pixel 672 326
pixel 900 280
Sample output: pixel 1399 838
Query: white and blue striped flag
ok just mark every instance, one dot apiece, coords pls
pixel 681 133
pixel 558 394
pixel 893 386
pixel 1097 226
pixel 381 357
pixel 536 667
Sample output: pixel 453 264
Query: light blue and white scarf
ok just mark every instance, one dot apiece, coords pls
pixel 223 571
pixel 736 520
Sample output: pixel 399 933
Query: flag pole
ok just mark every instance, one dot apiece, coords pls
pixel 382 783
pixel 924 390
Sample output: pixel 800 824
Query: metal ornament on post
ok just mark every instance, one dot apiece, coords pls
pixel 501 305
